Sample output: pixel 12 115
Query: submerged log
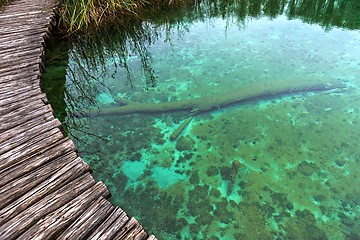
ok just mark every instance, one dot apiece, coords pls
pixel 182 126
pixel 206 103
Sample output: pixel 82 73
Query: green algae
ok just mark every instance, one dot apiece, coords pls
pixel 296 156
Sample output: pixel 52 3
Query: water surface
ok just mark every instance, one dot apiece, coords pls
pixel 276 167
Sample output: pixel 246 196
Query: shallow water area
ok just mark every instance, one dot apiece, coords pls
pixel 274 166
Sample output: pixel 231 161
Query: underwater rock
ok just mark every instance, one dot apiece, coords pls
pixel 233 174
pixel 303 226
pixel 212 171
pixel 307 168
pixel 281 200
pixel 319 197
pixel 199 202
pixel 185 143
pixel 194 179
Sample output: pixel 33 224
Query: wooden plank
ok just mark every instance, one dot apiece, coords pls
pixel 21 115
pixel 30 41
pixel 34 69
pixel 88 221
pixel 22 30
pixel 15 95
pixel 30 148
pixel 70 172
pixel 8 86
pixel 56 222
pixel 110 226
pixel 12 228
pixel 33 41
pixel 31 78
pixel 21 65
pixel 24 136
pixel 23 166
pixel 30 71
pixel 22 15
pixel 10 35
pixel 16 54
pixel 18 49
pixel 131 229
pixel 152 237
pixel 19 186
pixel 137 234
pixel 11 61
pixel 11 133
pixel 21 102
pixel 6 23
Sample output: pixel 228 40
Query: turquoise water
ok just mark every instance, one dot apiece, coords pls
pixel 282 166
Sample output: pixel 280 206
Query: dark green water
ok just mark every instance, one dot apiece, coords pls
pixel 276 167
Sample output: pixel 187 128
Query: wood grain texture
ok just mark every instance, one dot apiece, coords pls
pixel 46 189
pixel 88 221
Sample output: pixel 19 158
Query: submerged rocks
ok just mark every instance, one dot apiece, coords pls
pixel 307 168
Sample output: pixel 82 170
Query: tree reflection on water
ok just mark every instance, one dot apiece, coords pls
pixel 89 52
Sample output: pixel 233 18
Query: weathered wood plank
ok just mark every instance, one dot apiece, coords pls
pixel 21 102
pixel 19 186
pixel 21 115
pixel 44 19
pixel 54 223
pixel 30 148
pixel 152 237
pixel 22 15
pixel 17 54
pixel 138 234
pixel 12 96
pixel 11 133
pixel 34 41
pixel 12 228
pixel 88 221
pixel 131 229
pixel 16 75
pixel 21 31
pixel 29 134
pixel 9 63
pixel 10 35
pixel 110 226
pixel 18 49
pixel 21 65
pixel 17 85
pixel 23 166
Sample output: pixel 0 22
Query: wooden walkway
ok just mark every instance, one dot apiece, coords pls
pixel 46 190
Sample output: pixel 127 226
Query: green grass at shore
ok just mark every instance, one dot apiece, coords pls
pixel 77 15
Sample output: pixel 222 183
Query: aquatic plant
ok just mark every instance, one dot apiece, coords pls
pixel 75 15
pixel 84 14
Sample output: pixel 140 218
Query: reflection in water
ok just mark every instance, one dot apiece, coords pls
pixel 280 168
pixel 91 51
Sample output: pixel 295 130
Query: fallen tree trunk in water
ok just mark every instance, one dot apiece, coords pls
pixel 206 103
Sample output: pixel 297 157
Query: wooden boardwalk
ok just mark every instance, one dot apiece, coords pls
pixel 46 190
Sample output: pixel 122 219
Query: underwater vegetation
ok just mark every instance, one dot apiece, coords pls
pixel 282 166
pixel 244 173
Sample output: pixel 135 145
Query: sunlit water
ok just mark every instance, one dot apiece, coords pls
pixel 279 167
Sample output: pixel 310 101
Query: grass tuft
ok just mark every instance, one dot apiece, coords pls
pixel 75 15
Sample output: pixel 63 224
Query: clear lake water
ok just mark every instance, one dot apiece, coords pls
pixel 276 166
